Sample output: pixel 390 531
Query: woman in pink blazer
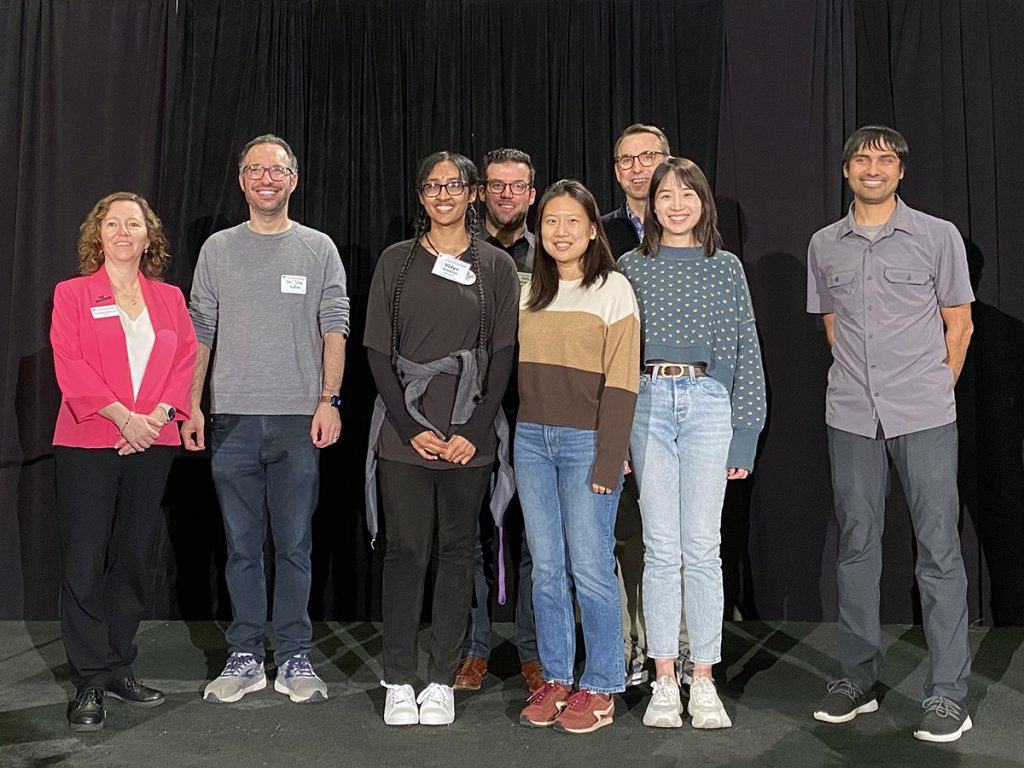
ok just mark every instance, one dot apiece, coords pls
pixel 123 351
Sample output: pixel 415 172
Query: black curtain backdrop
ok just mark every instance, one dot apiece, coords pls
pixel 761 94
pixel 83 113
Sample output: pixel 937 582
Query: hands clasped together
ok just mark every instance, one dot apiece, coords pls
pixel 140 431
pixel 455 449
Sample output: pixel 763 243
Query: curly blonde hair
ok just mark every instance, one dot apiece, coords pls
pixel 90 247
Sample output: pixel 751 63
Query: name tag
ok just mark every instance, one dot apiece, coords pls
pixel 293 284
pixel 452 269
pixel 100 312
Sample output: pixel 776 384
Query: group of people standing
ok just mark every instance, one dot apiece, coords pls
pixel 633 345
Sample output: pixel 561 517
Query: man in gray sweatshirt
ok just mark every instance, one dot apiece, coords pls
pixel 269 297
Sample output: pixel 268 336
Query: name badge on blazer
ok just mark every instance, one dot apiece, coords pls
pixel 293 284
pixel 109 310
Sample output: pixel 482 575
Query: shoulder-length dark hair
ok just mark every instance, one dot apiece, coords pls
pixel 597 262
pixel 90 246
pixel 706 232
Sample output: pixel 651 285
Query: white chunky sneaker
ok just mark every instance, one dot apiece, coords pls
pixel 665 709
pixel 705 707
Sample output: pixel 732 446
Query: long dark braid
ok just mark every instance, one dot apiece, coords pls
pixel 422 226
pixel 472 220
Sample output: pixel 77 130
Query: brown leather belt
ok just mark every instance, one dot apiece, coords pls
pixel 674 370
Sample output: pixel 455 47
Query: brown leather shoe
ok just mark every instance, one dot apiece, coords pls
pixel 533 674
pixel 470 674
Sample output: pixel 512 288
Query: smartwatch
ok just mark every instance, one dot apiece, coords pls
pixel 333 400
pixel 171 413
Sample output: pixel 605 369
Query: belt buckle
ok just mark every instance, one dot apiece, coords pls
pixel 672 371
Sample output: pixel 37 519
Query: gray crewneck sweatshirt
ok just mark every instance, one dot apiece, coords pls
pixel 262 304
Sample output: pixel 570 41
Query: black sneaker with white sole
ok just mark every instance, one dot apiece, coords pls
pixel 843 702
pixel 944 720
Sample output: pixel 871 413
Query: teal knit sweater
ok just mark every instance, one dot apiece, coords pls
pixel 695 309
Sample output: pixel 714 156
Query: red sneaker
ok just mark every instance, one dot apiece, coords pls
pixel 544 705
pixel 586 713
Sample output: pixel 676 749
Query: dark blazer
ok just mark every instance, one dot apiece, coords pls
pixel 620 232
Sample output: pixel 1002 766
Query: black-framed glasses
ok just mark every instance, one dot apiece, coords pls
pixel 433 189
pixel 496 187
pixel 277 172
pixel 647 159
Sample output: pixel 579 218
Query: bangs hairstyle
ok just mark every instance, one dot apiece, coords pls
pixel 90 246
pixel 706 232
pixel 879 137
pixel 269 138
pixel 597 262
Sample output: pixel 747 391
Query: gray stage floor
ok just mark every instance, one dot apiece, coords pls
pixel 770 680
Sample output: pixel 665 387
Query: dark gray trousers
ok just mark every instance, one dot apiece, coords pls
pixel 926 463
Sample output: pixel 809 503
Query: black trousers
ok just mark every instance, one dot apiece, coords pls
pixel 416 502
pixel 108 509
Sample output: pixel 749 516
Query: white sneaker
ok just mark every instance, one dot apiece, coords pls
pixel 400 705
pixel 665 708
pixel 705 707
pixel 437 705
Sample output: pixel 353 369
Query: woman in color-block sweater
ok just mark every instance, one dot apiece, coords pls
pixel 699 412
pixel 578 372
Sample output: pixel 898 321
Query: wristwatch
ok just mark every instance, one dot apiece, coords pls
pixel 334 400
pixel 171 413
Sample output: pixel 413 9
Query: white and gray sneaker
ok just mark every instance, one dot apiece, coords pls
pixel 705 707
pixel 400 705
pixel 297 680
pixel 242 674
pixel 665 708
pixel 437 705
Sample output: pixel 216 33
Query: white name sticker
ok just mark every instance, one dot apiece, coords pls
pixel 452 269
pixel 293 284
pixel 108 311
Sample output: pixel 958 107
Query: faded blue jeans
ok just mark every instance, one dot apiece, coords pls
pixel 679 446
pixel 571 529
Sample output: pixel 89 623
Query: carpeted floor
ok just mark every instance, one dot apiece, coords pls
pixel 772 676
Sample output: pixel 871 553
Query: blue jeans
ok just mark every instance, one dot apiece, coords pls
pixel 267 465
pixel 679 446
pixel 571 529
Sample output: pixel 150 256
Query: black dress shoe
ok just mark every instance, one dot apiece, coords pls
pixel 87 710
pixel 130 690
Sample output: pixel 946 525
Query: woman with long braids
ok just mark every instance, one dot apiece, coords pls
pixel 698 416
pixel 579 361
pixel 440 338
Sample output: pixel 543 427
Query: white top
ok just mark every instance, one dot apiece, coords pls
pixel 139 335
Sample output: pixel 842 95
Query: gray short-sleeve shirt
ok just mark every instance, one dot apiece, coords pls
pixel 889 352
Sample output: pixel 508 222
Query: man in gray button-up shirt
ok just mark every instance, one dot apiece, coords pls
pixel 892 286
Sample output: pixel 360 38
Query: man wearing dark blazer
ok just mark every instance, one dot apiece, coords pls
pixel 639 150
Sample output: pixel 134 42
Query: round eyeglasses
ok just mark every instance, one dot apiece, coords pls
pixel 433 189
pixel 647 159
pixel 496 187
pixel 277 172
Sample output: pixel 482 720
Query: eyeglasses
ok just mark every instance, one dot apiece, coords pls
pixel 277 172
pixel 433 189
pixel 496 187
pixel 647 159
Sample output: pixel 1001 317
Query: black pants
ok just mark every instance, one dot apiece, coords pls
pixel 415 501
pixel 108 508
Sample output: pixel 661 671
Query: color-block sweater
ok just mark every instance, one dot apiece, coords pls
pixel 579 366
pixel 697 309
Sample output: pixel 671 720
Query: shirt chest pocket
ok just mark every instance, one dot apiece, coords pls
pixel 907 291
pixel 842 287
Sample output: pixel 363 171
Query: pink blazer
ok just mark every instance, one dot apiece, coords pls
pixel 90 357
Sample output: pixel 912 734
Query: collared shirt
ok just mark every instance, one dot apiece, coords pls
pixel 889 350
pixel 521 250
pixel 635 220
